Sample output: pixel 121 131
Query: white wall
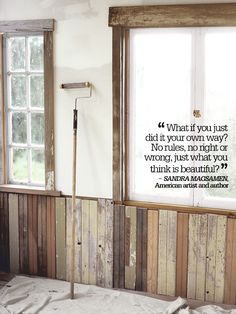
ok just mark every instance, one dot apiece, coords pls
pixel 82 53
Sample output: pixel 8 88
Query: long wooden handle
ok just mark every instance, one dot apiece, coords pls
pixel 73 216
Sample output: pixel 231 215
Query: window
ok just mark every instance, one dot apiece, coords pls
pixel 26 110
pixel 167 62
pixel 173 73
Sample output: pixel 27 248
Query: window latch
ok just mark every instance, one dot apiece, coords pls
pixel 197 113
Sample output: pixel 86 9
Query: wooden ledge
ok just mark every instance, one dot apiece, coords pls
pixel 179 208
pixel 23 189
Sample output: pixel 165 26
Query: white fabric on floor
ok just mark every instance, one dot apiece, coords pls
pixel 207 309
pixel 38 295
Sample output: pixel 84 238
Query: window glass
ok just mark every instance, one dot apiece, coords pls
pixel 25 109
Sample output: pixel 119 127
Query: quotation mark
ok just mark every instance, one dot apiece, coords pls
pixel 224 166
pixel 161 124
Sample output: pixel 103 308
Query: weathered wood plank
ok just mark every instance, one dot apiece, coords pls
pixel 144 249
pixel 4 234
pixel 23 232
pixel 61 238
pixel 211 258
pixel 14 233
pixel 51 235
pixel 117 50
pixel 201 256
pixel 127 238
pixel 171 253
pixel 220 259
pixel 122 247
pixel 130 268
pixel 174 15
pixel 197 256
pixel 109 244
pixel 78 237
pixel 42 236
pixel 49 112
pixel 230 266
pixel 152 262
pixel 68 236
pixel 192 258
pixel 182 255
pixel 101 219
pixel 139 250
pixel 2 119
pixel 27 25
pixel 32 234
pixel 116 242
pixel 49 240
pixel 85 240
pixel 92 242
pixel 162 254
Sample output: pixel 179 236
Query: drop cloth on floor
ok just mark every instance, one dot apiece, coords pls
pixel 38 295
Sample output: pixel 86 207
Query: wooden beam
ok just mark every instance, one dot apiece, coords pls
pixel 117 70
pixel 44 25
pixel 49 112
pixel 19 189
pixel 192 15
pixel 3 177
pixel 180 208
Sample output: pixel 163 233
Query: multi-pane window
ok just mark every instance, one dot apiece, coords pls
pixel 174 71
pixel 24 87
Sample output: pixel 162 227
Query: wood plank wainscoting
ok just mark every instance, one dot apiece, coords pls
pixel 35 232
pixel 160 251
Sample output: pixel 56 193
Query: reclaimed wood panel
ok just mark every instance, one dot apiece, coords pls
pixel 68 236
pixel 109 244
pixel 173 15
pixel 117 57
pixel 101 219
pixel 32 234
pixel 230 266
pixel 42 236
pixel 152 254
pixel 49 111
pixel 171 253
pixel 119 246
pixel 105 243
pixel 78 238
pixel 220 259
pixel 4 233
pixel 197 256
pixel 61 238
pixel 167 252
pixel 215 263
pixel 51 238
pixel 23 234
pixel 2 118
pixel 141 250
pixel 162 254
pixel 85 240
pixel 14 233
pixel 92 245
pixel 130 247
pixel 182 255
pixel 27 25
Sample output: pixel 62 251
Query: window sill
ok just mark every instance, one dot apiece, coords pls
pixel 23 189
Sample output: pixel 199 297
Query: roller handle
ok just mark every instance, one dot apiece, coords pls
pixel 75 119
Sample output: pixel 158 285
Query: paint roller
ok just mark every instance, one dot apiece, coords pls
pixel 74 167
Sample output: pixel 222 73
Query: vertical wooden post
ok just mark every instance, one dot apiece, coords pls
pixel 3 176
pixel 72 270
